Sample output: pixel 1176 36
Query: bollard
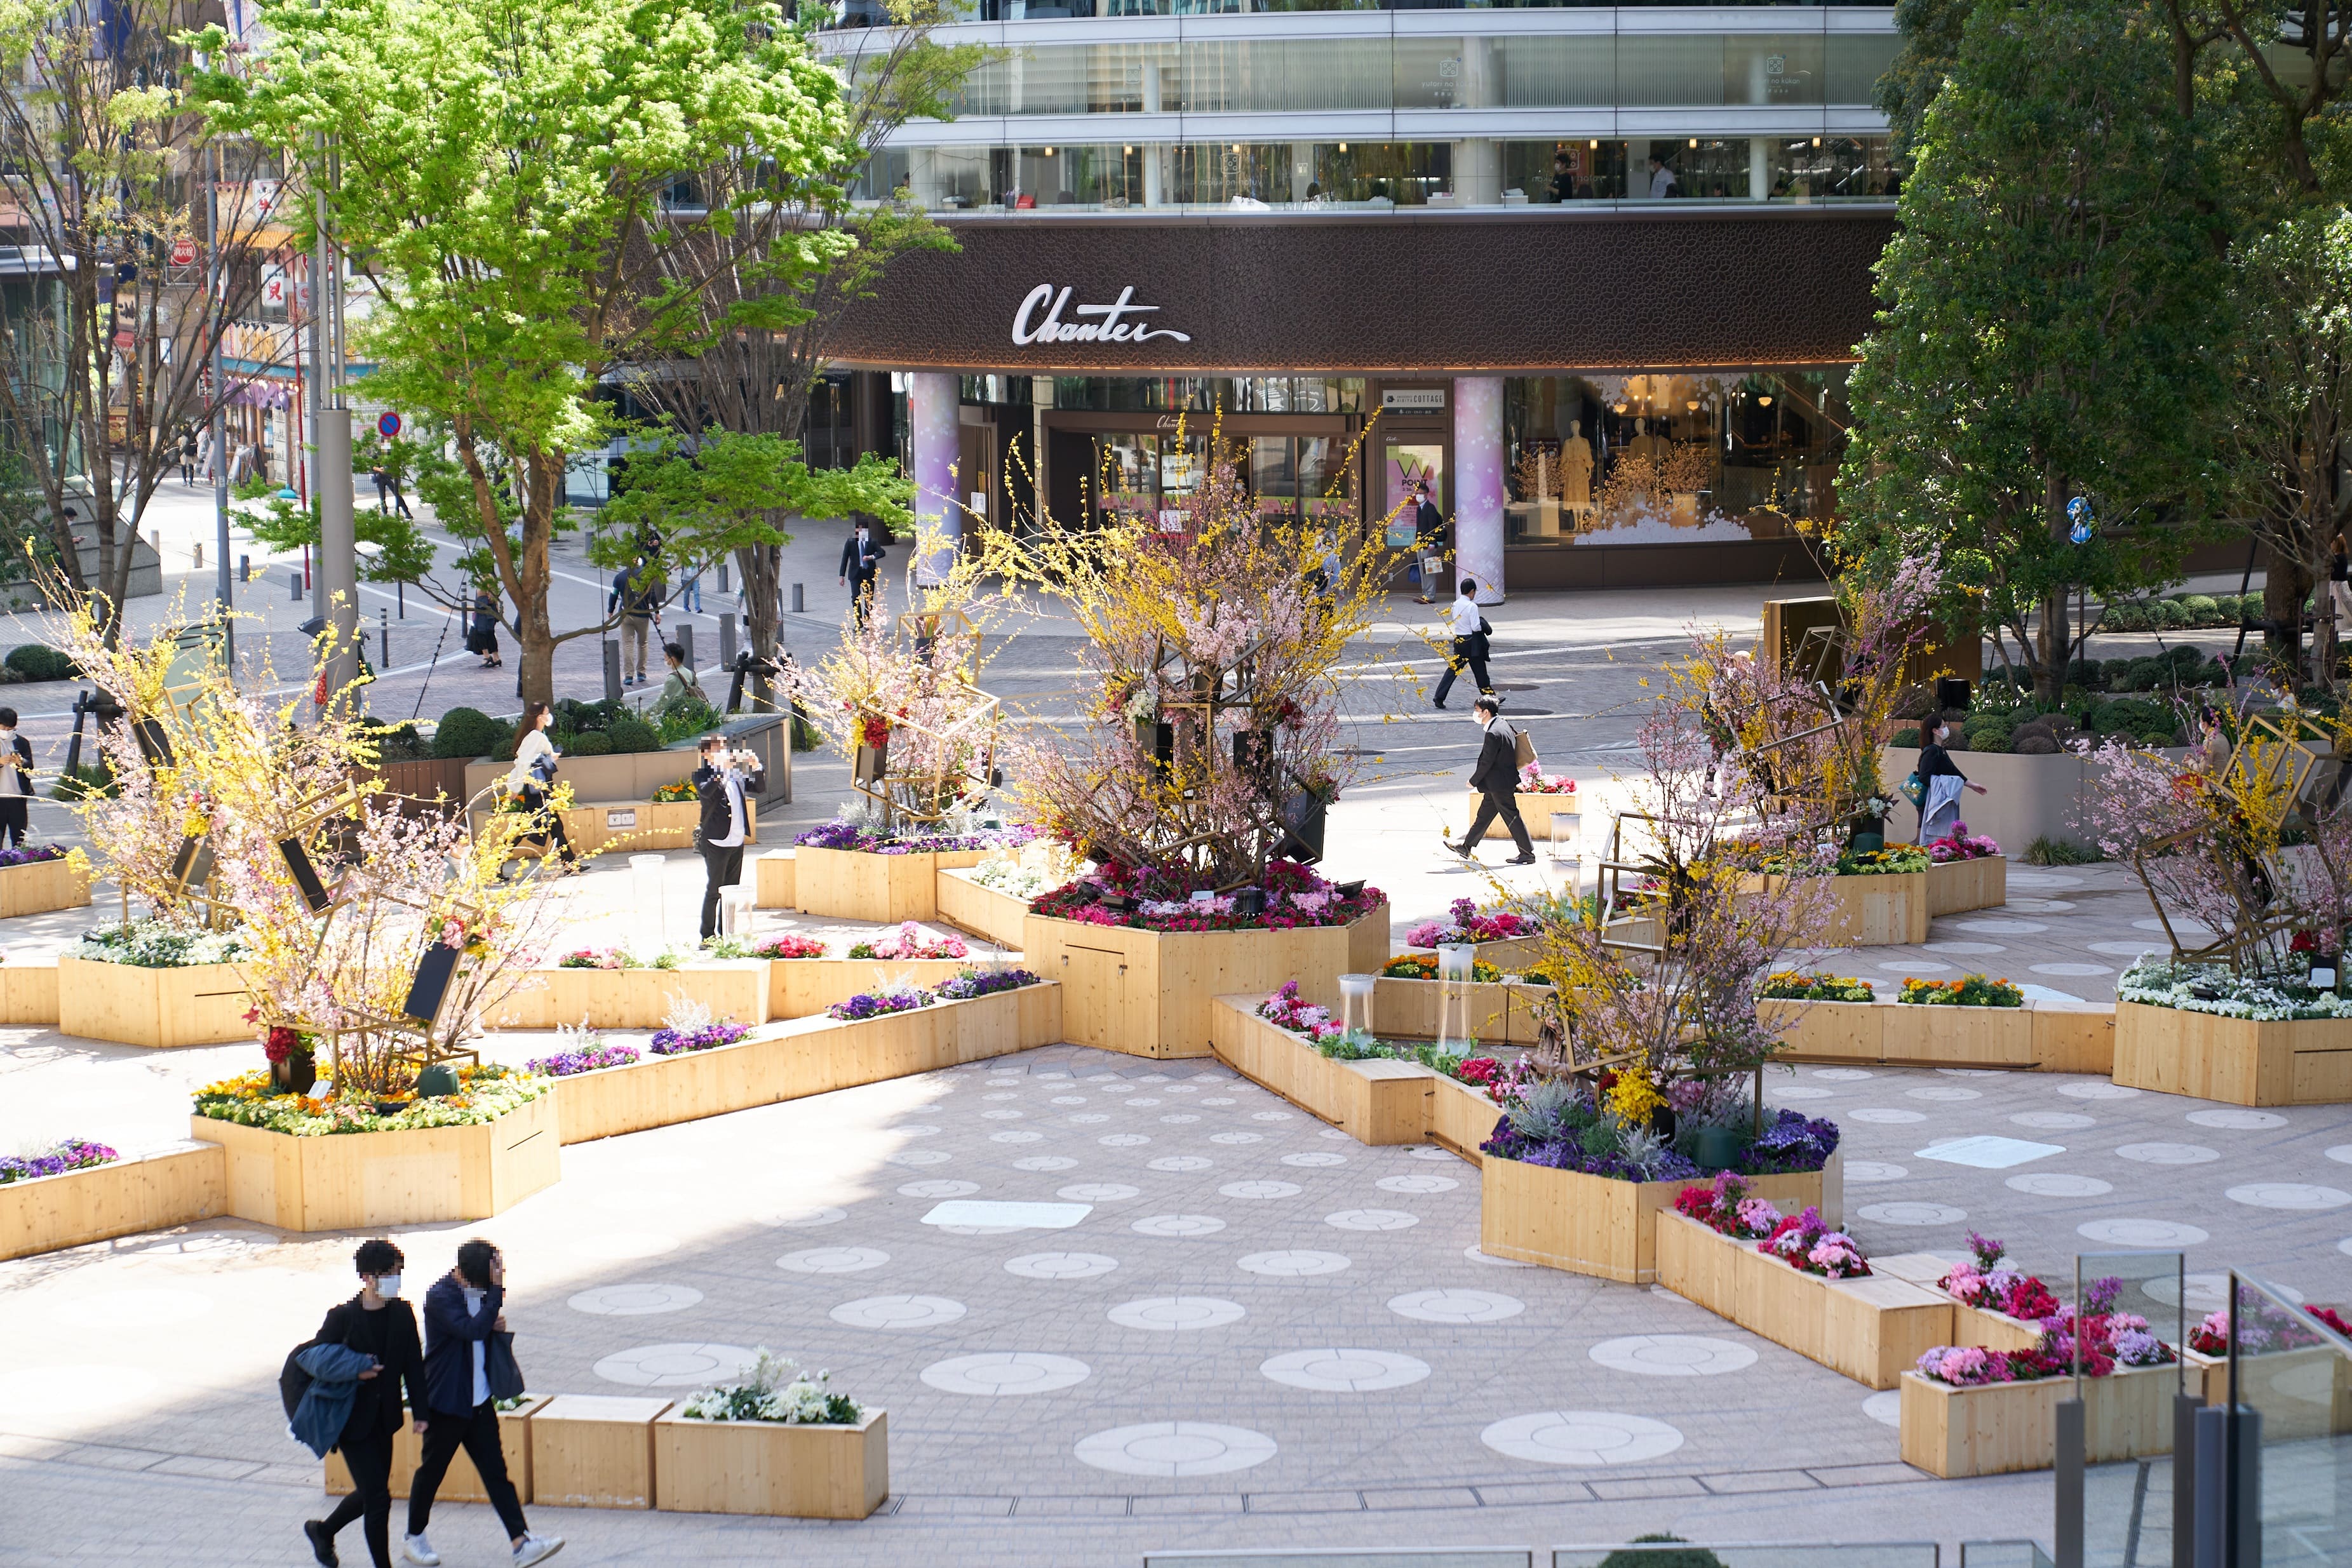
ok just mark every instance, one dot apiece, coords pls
pixel 294 580
pixel 200 555
pixel 727 642
pixel 685 641
pixel 384 625
pixel 611 670
pixel 799 605
pixel 245 568
pixel 399 592
pixel 722 577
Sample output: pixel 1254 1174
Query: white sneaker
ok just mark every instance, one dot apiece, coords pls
pixel 419 1551
pixel 537 1549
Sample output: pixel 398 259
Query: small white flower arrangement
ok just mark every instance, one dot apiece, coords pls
pixel 155 942
pixel 776 1389
pixel 2211 988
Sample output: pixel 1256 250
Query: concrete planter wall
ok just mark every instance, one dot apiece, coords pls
pixel 2025 797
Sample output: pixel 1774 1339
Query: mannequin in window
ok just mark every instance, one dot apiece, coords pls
pixel 1644 444
pixel 1576 469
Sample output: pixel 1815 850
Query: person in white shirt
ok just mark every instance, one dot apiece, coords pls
pixel 16 781
pixel 534 770
pixel 1662 179
pixel 724 784
pixel 1468 630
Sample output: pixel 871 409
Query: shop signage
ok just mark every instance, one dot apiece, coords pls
pixel 1413 400
pixel 1029 327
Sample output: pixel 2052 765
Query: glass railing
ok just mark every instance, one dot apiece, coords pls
pixel 2009 1554
pixel 2290 1382
pixel 1352 1557
pixel 1750 1554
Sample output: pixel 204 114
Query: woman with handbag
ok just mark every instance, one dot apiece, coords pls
pixel 1940 781
pixel 470 1366
pixel 535 757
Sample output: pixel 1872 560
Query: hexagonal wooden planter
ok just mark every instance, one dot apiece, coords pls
pixel 1376 1100
pixel 2002 1428
pixel 1955 887
pixel 1599 1226
pixel 858 885
pixel 2242 1062
pixel 2055 1037
pixel 984 912
pixel 196 1004
pixel 40 886
pixel 153 1193
pixel 733 988
pixel 771 1468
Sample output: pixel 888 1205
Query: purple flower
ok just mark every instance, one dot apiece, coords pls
pixel 69 1154
pixel 565 1064
pixel 670 1042
pixel 981 983
pixel 863 1006
pixel 31 856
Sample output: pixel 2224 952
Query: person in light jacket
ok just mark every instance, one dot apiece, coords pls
pixel 464 1334
pixel 378 1324
pixel 1496 779
pixel 535 757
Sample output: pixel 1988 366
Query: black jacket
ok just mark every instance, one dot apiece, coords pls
pixel 710 789
pixel 389 1335
pixel 1497 770
pixel 1428 524
pixel 1935 762
pixel 856 562
pixel 452 1331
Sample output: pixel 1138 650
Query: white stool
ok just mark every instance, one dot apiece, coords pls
pixel 646 889
pixel 1355 999
pixel 735 906
pixel 1456 965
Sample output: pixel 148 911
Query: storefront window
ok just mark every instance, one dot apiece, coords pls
pixel 1672 458
pixel 1825 168
pixel 1404 463
pixel 1208 395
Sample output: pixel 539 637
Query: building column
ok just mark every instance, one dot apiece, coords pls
pixel 933 418
pixel 1479 483
pixel 1759 171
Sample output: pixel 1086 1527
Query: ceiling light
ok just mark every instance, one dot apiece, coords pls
pixel 1343 147
pixel 1764 402
pixel 1049 152
pixel 1130 151
pixel 1694 141
pixel 1594 144
pixel 1817 142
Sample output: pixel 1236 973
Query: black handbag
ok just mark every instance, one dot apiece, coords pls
pixel 499 1367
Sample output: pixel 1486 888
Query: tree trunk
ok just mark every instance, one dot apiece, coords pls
pixel 2285 588
pixel 762 569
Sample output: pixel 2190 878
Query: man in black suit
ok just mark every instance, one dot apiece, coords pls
pixel 723 784
pixel 15 781
pixel 861 562
pixel 1429 538
pixel 1497 779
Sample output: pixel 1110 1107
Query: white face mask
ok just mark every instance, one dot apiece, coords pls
pixel 387 1286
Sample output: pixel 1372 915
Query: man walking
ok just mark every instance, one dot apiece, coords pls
pixel 1497 779
pixel 1469 631
pixel 861 563
pixel 633 595
pixel 1429 539
pixel 722 784
pixel 468 1354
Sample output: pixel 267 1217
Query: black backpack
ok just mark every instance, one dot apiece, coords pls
pixel 292 1381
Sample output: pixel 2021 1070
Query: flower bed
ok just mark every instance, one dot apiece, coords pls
pixel 2212 988
pixel 2300 1382
pixel 66 1154
pixel 1967 992
pixel 485 1092
pixel 667 1041
pixel 1467 923
pixel 614 958
pixel 2187 1029
pixel 588 1058
pixel 1293 896
pixel 993 909
pixel 1796 988
pixel 908 942
pixel 1374 1098
pixel 2001 1307
pixel 778 1444
pixel 1959 844
pixel 862 840
pixel 1424 966
pixel 881 884
pixel 789 948
pixel 1900 860
pixel 679 790
pixel 36 880
pixel 155 943
pixel 866 1005
pixel 1795 1281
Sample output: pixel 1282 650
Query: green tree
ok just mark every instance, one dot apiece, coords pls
pixel 2042 339
pixel 505 175
pixel 1931 42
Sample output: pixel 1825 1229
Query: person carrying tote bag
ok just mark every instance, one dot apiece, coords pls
pixel 1940 781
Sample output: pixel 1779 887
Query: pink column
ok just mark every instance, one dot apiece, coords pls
pixel 1479 483
pixel 931 419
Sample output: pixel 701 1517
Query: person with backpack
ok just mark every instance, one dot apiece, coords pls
pixel 682 687
pixel 344 1390
pixel 470 1366
pixel 1496 779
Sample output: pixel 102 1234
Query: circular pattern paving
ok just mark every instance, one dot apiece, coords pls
pixel 1997 926
pixel 1885 1114
pixel 1006 1372
pixel 1098 1192
pixel 1088 1119
pixel 1371 1219
pixel 1176 1314
pixel 918 1130
pixel 2165 1233
pixel 2057 1184
pixel 1798 1092
pixel 1177 1121
pixel 1178 1225
pixel 2054 1121
pixel 1416 1184
pixel 1884 1407
pixel 2118 949
pixel 1673 1356
pixel 1261 1189
pixel 920 1157
pixel 1966 949
pixel 1060 1265
pixel 676 1366
pixel 634 1301
pixel 1581 1438
pixel 1236 1137
pixel 1017 1137
pixel 1269 1115
pixel 1144 1100
pixel 2288 1195
pixel 1942 1091
pixel 2168 1153
pixel 2083 969
pixel 1122 1140
pixel 1477 1254
pixel 939 1189
pixel 1293 1264
pixel 2201 1292
pixel 1843 1074
pixel 1069 1099
pixel 2180 923
pixel 1445 1306
pixel 1429 1152
pixel 1337 1370
pixel 2096 1089
pixel 1869 1171
pixel 833 1261
pixel 1173 1450
pixel 897 1311
pixel 1183 1162
pixel 804 1218
pixel 1319 1157
pixel 1046 1162
pixel 1003 1113
pixel 1915 967
pixel 2237 1120
pixel 1906 1213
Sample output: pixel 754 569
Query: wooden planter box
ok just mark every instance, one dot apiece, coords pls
pixel 657 1090
pixel 371 1181
pixel 201 1003
pixel 775 883
pixel 2054 1037
pixel 2292 1061
pixel 771 1468
pixel 461 1482
pixel 982 911
pixel 153 1193
pixel 733 988
pixel 1499 1014
pixel 42 886
pixel 856 884
pixel 1151 993
pixel 1377 1101
pixel 1957 886
pixel 427 784
pixel 1536 810
pixel 643 827
pixel 1887 910
pixel 1460 1118
pixel 2009 1427
pixel 594 1450
pixel 1872 1329
pixel 2302 1394
pixel 2075 1037
pixel 28 993
pixel 1970 1326
pixel 1593 1225
pixel 802 987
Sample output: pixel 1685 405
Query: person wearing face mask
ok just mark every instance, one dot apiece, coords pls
pixel 1940 780
pixel 378 1324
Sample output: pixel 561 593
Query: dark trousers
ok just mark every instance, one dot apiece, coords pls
pixel 369 1459
pixel 1470 651
pixel 13 820
pixel 1507 805
pixel 477 1434
pixel 724 868
pixel 549 822
pixel 861 593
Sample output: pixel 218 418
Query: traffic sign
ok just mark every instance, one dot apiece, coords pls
pixel 184 251
pixel 387 424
